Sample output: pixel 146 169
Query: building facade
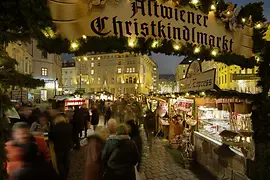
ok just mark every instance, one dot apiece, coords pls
pixel 167 83
pixel 69 77
pixel 227 77
pixel 118 73
pixel 47 67
pixel 18 51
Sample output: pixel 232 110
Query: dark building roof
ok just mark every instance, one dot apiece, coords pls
pixel 167 76
pixel 68 64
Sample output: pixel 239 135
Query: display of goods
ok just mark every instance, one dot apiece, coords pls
pixel 191 122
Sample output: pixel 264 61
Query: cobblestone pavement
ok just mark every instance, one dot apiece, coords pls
pixel 157 164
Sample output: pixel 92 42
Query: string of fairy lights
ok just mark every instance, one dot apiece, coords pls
pixel 75 45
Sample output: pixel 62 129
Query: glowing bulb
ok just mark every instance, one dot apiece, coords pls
pixel 79 59
pixel 213 7
pixel 187 94
pixel 92 59
pixel 87 82
pixel 131 44
pixel 195 2
pixel 84 36
pixel 85 58
pixel 257 58
pixel 214 52
pixel 203 93
pixel 176 47
pixel 154 45
pixel 258 26
pixel 228 13
pixel 197 50
pixel 243 20
pixel 74 45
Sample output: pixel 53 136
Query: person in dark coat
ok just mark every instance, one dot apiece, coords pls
pixel 134 133
pixel 94 166
pixel 86 119
pixel 150 125
pixel 108 115
pixel 34 167
pixel 61 136
pixel 120 156
pixel 95 117
pixel 78 125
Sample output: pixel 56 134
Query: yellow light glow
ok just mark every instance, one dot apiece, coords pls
pixel 228 13
pixel 131 43
pixel 258 26
pixel 74 45
pixel 84 36
pixel 195 2
pixel 213 7
pixel 87 82
pixel 85 58
pixel 197 50
pixel 214 52
pixel 79 59
pixel 155 44
pixel 187 94
pixel 203 93
pixel 243 20
pixel 176 47
pixel 257 58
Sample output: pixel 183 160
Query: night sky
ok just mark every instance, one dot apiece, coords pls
pixel 168 64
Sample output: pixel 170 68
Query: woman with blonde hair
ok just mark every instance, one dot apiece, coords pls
pixel 94 169
pixel 120 155
pixel 61 136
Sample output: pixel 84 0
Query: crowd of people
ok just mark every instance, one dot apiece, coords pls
pixel 113 151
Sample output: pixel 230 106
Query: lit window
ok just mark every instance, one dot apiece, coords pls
pixel 133 69
pixel 98 58
pixel 92 71
pixel 155 69
pixel 92 64
pixel 98 80
pixel 127 70
pixel 44 71
pixel 119 70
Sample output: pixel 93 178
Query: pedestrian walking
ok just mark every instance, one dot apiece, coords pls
pixel 95 117
pixel 61 136
pixel 41 126
pixel 21 135
pixel 86 119
pixel 150 125
pixel 134 133
pixel 78 125
pixel 94 166
pixel 108 115
pixel 33 166
pixel 120 155
pixel 112 126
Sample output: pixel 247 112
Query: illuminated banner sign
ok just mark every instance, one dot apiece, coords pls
pixel 74 102
pixel 139 18
pixel 196 80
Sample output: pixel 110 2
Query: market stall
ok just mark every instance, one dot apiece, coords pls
pixel 223 142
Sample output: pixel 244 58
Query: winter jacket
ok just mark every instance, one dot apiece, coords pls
pixel 149 122
pixel 94 167
pixel 14 153
pixel 37 170
pixel 120 155
pixel 61 136
pixel 95 117
pixel 78 120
